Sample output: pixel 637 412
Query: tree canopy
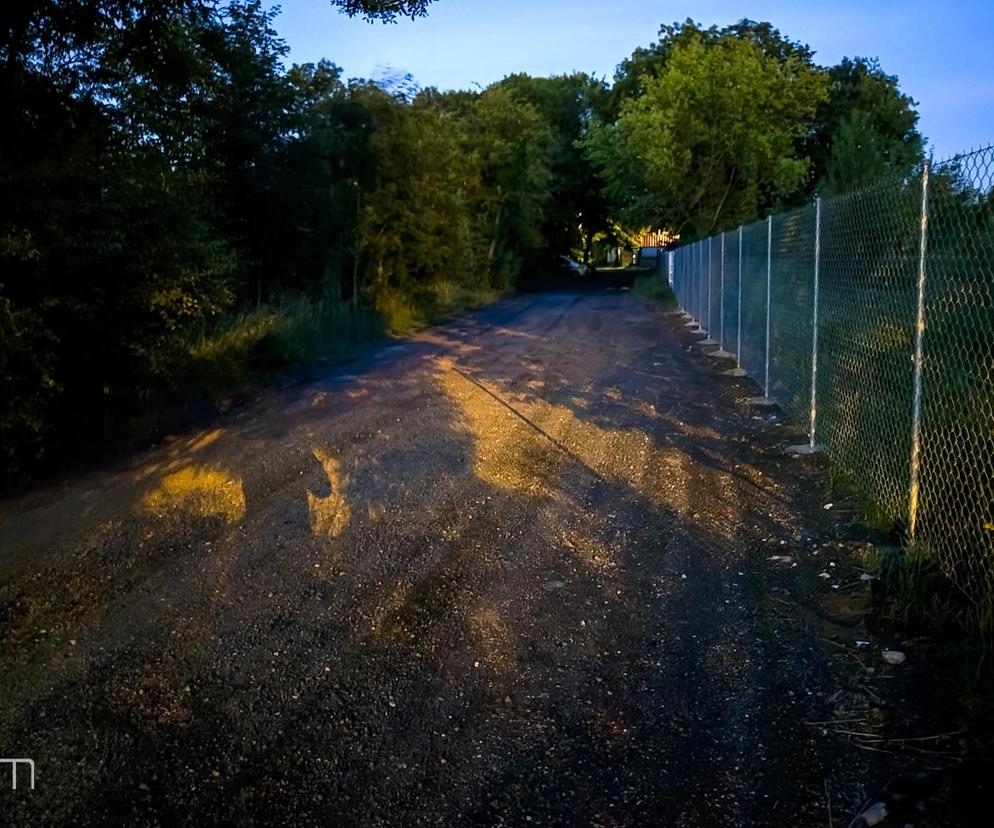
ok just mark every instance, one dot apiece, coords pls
pixel 712 139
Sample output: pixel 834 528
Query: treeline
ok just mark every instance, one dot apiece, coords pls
pixel 182 213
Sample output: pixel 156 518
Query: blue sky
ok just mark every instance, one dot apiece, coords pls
pixel 943 52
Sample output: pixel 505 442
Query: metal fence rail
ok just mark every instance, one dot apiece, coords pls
pixel 870 317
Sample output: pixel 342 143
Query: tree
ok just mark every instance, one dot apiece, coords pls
pixel 514 147
pixel 416 224
pixel 649 62
pixel 713 140
pixel 864 130
pixel 577 209
pixel 385 10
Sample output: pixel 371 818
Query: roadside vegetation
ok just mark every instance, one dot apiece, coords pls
pixel 654 287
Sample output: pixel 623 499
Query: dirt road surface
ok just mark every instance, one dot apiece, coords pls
pixel 514 570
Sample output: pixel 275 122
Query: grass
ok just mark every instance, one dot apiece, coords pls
pixel 242 351
pixel 874 517
pixel 403 311
pixel 655 288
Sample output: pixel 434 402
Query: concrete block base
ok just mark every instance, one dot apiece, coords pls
pixel 804 450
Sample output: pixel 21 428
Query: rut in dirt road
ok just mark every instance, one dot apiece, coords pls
pixel 514 568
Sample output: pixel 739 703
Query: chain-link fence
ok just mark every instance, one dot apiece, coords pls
pixel 870 317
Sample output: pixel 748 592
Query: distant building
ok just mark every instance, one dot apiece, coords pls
pixel 652 247
pixel 658 239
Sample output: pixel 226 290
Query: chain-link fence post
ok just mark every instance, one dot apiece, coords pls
pixel 708 340
pixel 766 400
pixel 738 370
pixel 698 310
pixel 691 289
pixel 707 316
pixel 721 353
pixel 811 447
pixel 916 404
pixel 697 283
pixel 721 295
pixel 694 284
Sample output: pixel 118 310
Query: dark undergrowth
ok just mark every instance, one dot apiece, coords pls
pixel 228 362
pixel 917 591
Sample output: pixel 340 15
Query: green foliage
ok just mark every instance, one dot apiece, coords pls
pixel 712 140
pixel 513 145
pixel 649 62
pixel 416 225
pixel 27 386
pixel 865 130
pixel 655 288
pixel 238 351
pixel 577 209
pixel 386 10
pixel 777 150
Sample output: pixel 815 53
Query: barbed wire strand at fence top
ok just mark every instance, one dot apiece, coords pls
pixel 870 317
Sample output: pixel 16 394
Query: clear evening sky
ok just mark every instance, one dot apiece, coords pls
pixel 943 52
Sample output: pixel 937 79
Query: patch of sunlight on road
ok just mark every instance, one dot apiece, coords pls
pixel 595 554
pixel 516 435
pixel 200 492
pixel 329 515
pixel 387 621
pixel 501 439
pixel 494 637
pixel 671 471
pixel 206 440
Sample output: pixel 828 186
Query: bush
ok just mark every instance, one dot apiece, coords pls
pixel 27 388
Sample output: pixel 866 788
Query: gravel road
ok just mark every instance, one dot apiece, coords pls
pixel 513 570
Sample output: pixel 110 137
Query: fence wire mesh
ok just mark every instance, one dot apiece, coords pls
pixel 754 301
pixel 902 356
pixel 729 323
pixel 955 516
pixel 867 309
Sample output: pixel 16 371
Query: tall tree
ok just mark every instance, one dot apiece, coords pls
pixel 416 225
pixel 577 209
pixel 649 62
pixel 514 146
pixel 864 130
pixel 713 140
